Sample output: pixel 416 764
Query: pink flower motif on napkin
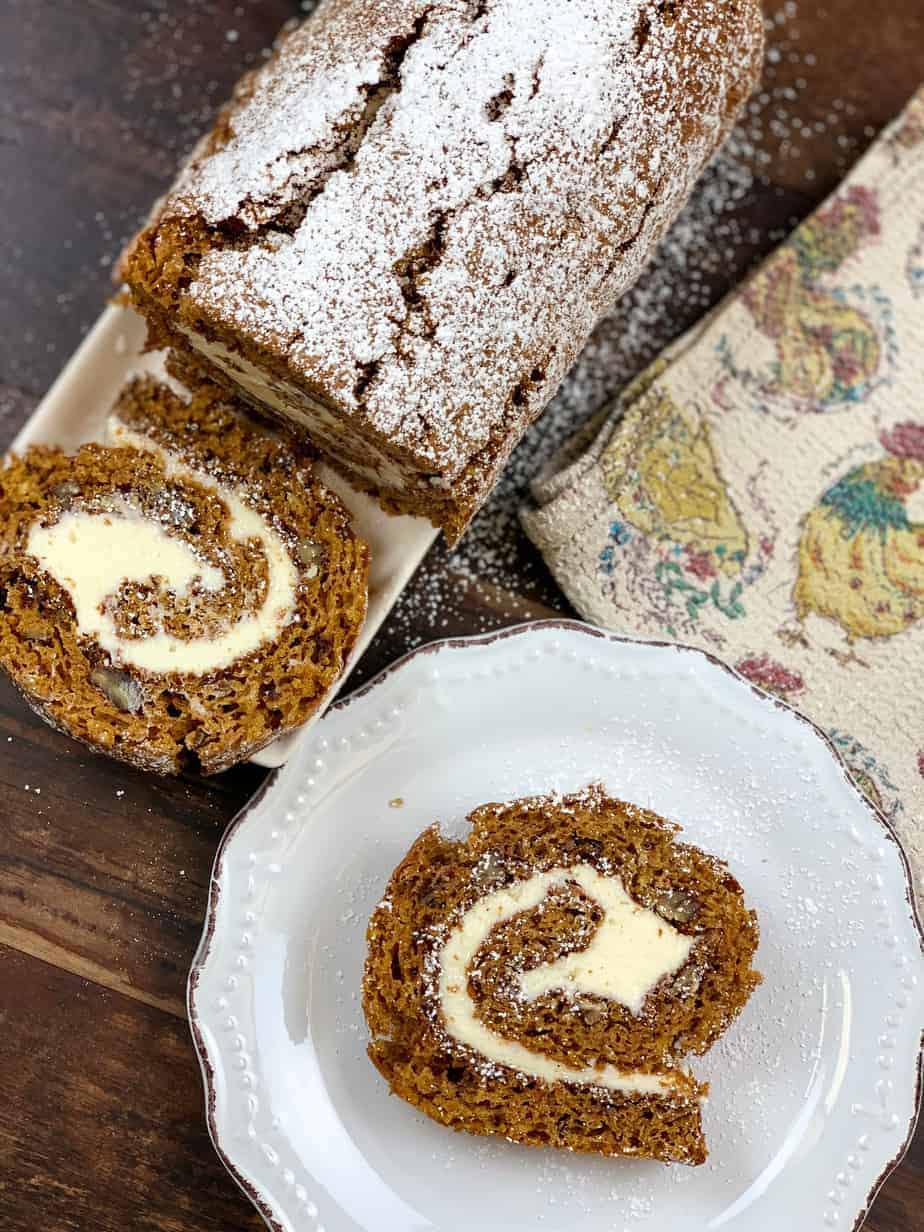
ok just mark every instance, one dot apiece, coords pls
pixel 905 440
pixel 771 676
pixel 700 564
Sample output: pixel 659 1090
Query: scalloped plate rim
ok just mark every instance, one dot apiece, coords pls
pixel 253 1191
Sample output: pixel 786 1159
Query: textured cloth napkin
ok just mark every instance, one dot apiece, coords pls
pixel 759 491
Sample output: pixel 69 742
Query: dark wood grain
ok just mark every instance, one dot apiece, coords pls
pixel 103 871
pixel 101 1123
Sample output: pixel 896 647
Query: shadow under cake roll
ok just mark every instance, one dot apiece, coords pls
pixel 181 596
pixel 543 979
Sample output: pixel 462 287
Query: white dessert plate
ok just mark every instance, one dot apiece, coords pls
pixel 814 1089
pixel 75 409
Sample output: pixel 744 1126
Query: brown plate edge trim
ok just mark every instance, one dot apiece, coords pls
pixel 458 643
pixel 248 1188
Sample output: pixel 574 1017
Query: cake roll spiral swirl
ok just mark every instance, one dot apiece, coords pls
pixel 182 594
pixel 545 978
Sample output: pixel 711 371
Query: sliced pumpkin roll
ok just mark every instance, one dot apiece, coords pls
pixel 544 979
pixel 184 594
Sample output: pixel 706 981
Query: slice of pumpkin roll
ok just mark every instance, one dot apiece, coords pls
pixel 543 979
pixel 183 595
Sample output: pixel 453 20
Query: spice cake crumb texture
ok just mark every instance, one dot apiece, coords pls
pixel 404 226
pixel 544 979
pixel 183 595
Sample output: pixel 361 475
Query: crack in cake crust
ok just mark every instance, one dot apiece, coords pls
pixel 375 94
pixel 471 188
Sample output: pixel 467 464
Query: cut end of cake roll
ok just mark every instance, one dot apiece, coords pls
pixel 179 597
pixel 406 224
pixel 544 979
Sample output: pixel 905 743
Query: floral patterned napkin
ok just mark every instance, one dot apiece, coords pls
pixel 759 491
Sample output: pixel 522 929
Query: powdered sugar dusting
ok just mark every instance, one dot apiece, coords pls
pixel 458 214
pixel 495 577
pixel 311 93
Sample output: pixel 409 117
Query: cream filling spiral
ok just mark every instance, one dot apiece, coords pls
pixel 631 951
pixel 92 554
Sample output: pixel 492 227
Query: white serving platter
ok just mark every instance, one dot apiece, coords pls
pixel 74 411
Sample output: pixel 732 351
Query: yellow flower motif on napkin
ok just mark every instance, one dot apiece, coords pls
pixel 671 488
pixel 861 558
pixel 832 341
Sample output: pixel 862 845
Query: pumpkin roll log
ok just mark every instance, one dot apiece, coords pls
pixel 405 224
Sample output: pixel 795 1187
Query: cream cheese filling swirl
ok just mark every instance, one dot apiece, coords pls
pixel 92 554
pixel 631 951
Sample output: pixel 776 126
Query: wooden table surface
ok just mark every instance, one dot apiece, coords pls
pixel 103 871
